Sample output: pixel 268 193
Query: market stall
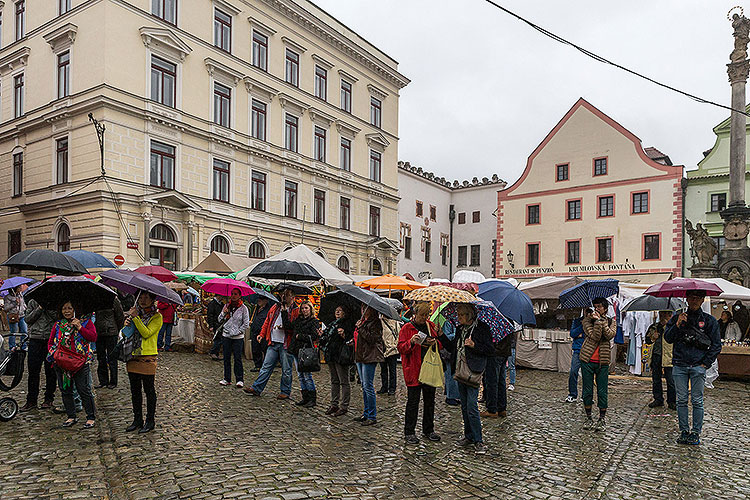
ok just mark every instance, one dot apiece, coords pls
pixel 734 359
pixel 544 349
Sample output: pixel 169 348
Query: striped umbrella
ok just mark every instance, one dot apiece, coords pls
pixel 440 293
pixel 584 293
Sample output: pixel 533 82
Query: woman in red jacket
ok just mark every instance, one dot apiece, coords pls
pixel 415 338
pixel 164 340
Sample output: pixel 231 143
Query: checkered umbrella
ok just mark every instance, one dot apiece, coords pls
pixel 440 293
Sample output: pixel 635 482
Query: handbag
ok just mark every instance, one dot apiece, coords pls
pixel 431 373
pixel 68 359
pixel 308 359
pixel 129 342
pixel 14 317
pixel 464 374
pixel 346 355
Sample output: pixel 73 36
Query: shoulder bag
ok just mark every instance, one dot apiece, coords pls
pixel 309 359
pixel 67 358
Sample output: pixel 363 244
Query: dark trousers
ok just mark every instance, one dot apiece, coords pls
pixel 496 395
pixel 218 343
pixel 589 372
pixel 233 349
pixel 412 409
pixel 656 386
pixel 106 369
pixel 37 359
pixel 82 382
pixel 145 383
pixel 388 374
pixel 259 350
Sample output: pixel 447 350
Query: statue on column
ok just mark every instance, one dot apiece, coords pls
pixel 703 248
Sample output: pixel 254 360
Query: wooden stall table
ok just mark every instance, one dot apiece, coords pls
pixel 734 361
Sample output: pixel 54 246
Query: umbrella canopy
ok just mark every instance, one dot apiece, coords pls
pixel 47 261
pixel 90 260
pixel 161 273
pixel 193 291
pixel 679 287
pixel 370 299
pixel 330 301
pixel 651 303
pixel 224 287
pixel 259 293
pixel 440 293
pixel 284 270
pixel 297 288
pixel 188 277
pixel 134 282
pixel 177 286
pixel 486 313
pixel 86 296
pixel 13 282
pixel 509 300
pixel 582 294
pixel 390 282
pixel 301 253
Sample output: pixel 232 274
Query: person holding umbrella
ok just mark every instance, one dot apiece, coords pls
pixel 260 311
pixel 368 352
pixel 338 358
pixel 234 319
pixel 594 356
pixel 108 322
pixel 213 309
pixel 306 330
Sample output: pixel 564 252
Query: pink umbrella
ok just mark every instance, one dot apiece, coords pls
pixel 679 287
pixel 224 287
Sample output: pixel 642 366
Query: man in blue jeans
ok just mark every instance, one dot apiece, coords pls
pixel 696 344
pixel 576 333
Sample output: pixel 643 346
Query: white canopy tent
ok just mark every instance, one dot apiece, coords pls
pixel 731 291
pixel 301 253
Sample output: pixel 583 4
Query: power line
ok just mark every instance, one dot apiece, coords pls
pixel 603 60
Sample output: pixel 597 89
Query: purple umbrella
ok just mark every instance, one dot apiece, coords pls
pixel 133 282
pixel 14 282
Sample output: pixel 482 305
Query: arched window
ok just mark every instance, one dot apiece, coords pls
pixel 377 268
pixel 343 264
pixel 219 244
pixel 288 247
pixel 162 247
pixel 162 232
pixel 320 254
pixel 257 251
pixel 63 238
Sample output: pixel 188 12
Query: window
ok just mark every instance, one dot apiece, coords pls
pixel 164 256
pixel 573 252
pixel 427 251
pixel 18 174
pixel 640 203
pixel 63 6
pixel 257 251
pixel 344 213
pixel 475 217
pixel 346 96
pixel 63 74
pixel 562 172
pixel 651 247
pixel 321 83
pixel 720 244
pixel 222 102
pixel 407 247
pixel 475 255
pixel 290 199
pixel 163 81
pixel 162 165
pixel 14 246
pixel 18 95
pixel 290 132
pixel 462 255
pixel 574 210
pixel 604 249
pixel 219 244
pixel 346 154
pixel 606 206
pixel 162 232
pixel 462 218
pixel 532 254
pixel 260 51
pixel 258 191
pixel 375 166
pixel 292 68
pixel 343 264
pixel 163 9
pixel 223 30
pixel 433 213
pixel 420 210
pixel 600 166
pixel 376 111
pixel 320 144
pixel 221 180
pixel 258 118
pixel 532 214
pixel 718 202
pixel 61 160
pixel 374 221
pixel 444 255
pixel 319 206
pixel 20 19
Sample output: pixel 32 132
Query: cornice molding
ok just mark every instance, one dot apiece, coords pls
pixel 322 62
pixel 377 141
pixel 294 45
pixel 221 72
pixel 14 60
pixel 261 27
pixel 347 130
pixel 376 92
pixel 62 37
pixel 163 40
pixel 320 118
pixel 259 90
pixel 231 9
pixel 348 76
pixel 292 104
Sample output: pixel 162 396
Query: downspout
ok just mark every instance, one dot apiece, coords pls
pixel 683 185
pixel 451 218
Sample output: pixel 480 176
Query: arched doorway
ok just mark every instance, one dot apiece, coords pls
pixel 376 268
pixel 163 247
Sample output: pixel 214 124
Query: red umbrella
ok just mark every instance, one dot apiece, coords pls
pixel 224 287
pixel 679 287
pixel 158 272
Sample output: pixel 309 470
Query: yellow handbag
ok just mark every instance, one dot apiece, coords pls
pixel 431 372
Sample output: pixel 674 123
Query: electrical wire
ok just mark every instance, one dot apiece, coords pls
pixel 118 209
pixel 603 60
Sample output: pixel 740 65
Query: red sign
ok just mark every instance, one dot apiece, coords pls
pixel 119 260
pixel 133 245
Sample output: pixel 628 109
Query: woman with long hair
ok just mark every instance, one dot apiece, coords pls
pixel 334 341
pixel 234 320
pixel 306 330
pixel 368 349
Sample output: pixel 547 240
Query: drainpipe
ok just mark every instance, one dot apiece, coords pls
pixel 451 218
pixel 683 185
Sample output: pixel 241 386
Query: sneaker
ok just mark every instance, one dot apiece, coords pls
pixel 464 442
pixel 480 448
pixel 488 414
pixel 250 391
pixel 655 404
pixel 223 382
pixel 601 425
pixel 240 384
pixel 694 439
pixel 684 437
pixel 571 399
pixel 410 439
pixel 588 425
pixel 432 436
pixel 511 387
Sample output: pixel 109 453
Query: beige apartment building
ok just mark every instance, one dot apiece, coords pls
pixel 235 126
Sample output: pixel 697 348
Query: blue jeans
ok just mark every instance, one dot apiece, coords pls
pixel 575 366
pixel 696 377
pixel 470 412
pixel 275 353
pixel 367 375
pixel 165 336
pixel 496 394
pixel 451 386
pixel 512 367
pixel 18 327
pixel 305 378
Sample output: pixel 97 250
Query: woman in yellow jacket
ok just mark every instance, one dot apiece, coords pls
pixel 145 317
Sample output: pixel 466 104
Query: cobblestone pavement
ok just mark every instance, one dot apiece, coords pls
pixel 217 442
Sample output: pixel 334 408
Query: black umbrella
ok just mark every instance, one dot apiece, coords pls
pixel 330 301
pixel 288 270
pixel 297 288
pixel 370 299
pixel 86 295
pixel 651 303
pixel 47 261
pixel 132 282
pixel 261 294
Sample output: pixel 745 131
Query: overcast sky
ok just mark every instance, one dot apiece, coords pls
pixel 485 88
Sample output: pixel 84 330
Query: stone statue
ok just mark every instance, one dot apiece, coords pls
pixel 735 276
pixel 741 34
pixel 702 247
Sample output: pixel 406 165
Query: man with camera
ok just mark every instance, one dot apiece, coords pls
pixel 696 344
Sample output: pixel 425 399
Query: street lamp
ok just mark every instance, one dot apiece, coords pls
pixel 510 259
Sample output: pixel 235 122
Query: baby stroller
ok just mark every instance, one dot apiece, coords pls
pixel 11 368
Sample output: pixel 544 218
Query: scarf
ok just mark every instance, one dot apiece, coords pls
pixel 68 336
pixel 233 306
pixel 465 332
pixel 146 313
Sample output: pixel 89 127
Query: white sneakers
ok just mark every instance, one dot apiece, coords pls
pixel 571 399
pixel 223 382
pixel 240 384
pixel 511 387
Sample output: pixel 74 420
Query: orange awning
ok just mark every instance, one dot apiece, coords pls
pixel 390 282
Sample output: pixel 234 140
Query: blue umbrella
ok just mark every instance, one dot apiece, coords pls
pixel 14 282
pixel 90 260
pixel 585 292
pixel 509 300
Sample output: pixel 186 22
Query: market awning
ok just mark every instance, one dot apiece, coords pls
pixel 222 263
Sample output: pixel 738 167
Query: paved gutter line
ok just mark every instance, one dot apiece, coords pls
pixel 110 458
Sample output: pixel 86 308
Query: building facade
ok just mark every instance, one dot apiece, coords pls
pixel 232 126
pixel 445 226
pixel 592 202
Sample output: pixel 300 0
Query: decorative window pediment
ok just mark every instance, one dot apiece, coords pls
pixel 347 76
pixel 62 38
pixel 227 7
pixel 259 90
pixel 222 73
pixel 261 27
pixel 164 41
pixel 321 118
pixel 293 45
pixel 377 141
pixel 346 130
pixel 14 60
pixel 322 62
pixel 291 104
pixel 376 92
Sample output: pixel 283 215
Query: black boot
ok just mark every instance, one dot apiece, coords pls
pixel 137 424
pixel 312 400
pixel 305 398
pixel 148 427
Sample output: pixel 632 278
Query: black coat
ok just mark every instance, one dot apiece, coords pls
pixel 212 313
pixel 476 357
pixel 109 322
pixel 332 343
pixel 305 334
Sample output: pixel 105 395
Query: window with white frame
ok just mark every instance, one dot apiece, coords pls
pixel 319 206
pixel 223 30
pixel 18 95
pixel 221 180
pixel 166 10
pixel 292 67
pixel 346 96
pixel 20 16
pixel 222 104
pixel 61 160
pixel 63 238
pixel 345 210
pixel 291 124
pixel 375 165
pixel 258 191
pixel 260 50
pixel 257 251
pixel 258 118
pixel 320 144
pixel 220 244
pixel 63 74
pixel 346 154
pixel 321 82
pixel 376 111
pixel 63 6
pixel 163 82
pixel 18 174
pixel 290 199
pixel 162 164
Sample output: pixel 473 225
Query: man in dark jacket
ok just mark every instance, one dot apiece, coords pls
pixel 108 324
pixel 40 322
pixel 256 325
pixel 213 309
pixel 495 391
pixel 696 344
pixel 576 333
